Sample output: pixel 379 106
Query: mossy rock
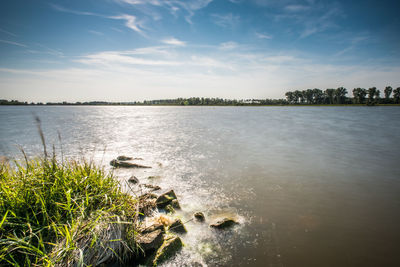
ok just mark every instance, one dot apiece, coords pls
pixel 168 249
pixel 151 240
pixel 169 209
pixel 224 223
pixel 175 204
pixel 151 187
pixel 177 226
pixel 166 198
pixel 152 228
pixel 133 179
pixel 124 164
pixel 124 158
pixel 199 216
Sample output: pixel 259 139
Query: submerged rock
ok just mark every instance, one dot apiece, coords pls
pixel 123 158
pixel 152 228
pixel 166 198
pixel 133 179
pixel 224 223
pixel 177 227
pixel 152 187
pixel 150 241
pixel 168 249
pixel 123 164
pixel 169 209
pixel 175 204
pixel 199 216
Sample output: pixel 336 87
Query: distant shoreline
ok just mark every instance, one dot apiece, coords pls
pixel 221 105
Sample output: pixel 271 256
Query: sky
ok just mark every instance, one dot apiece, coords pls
pixel 129 50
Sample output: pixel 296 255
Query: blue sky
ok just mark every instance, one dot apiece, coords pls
pixel 125 50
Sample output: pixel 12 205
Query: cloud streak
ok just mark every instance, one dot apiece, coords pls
pixel 131 21
pixel 189 7
pixel 173 41
pixel 226 21
pixel 12 43
pixel 263 35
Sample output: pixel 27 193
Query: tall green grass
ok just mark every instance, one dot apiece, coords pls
pixel 56 214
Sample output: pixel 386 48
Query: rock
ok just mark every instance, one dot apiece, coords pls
pixel 177 227
pixel 133 179
pixel 150 241
pixel 152 228
pixel 175 204
pixel 170 247
pixel 123 158
pixel 224 223
pixel 123 164
pixel 199 216
pixel 147 204
pixel 152 187
pixel 169 209
pixel 154 177
pixel 165 199
pixel 148 196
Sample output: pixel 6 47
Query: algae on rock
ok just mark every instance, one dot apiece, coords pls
pixel 168 249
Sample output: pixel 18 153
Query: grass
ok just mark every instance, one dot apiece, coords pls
pixel 62 214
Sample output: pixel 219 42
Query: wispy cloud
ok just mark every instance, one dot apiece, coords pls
pixel 353 44
pixel 263 35
pixel 42 49
pixel 228 45
pixel 173 41
pixel 296 8
pixel 321 23
pixel 236 1
pixel 227 20
pixel 110 58
pixel 130 21
pixel 12 43
pixel 7 32
pixel 96 32
pixel 76 12
pixel 189 7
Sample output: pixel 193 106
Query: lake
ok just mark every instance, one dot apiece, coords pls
pixel 310 186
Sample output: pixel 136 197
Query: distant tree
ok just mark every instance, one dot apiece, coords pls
pixel 377 95
pixel 388 90
pixel 330 95
pixel 356 95
pixel 290 97
pixel 340 95
pixel 396 95
pixel 297 94
pixel 303 96
pixel 359 95
pixel 371 95
pixel 309 96
pixel 318 96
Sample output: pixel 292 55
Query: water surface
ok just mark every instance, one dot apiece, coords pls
pixel 311 186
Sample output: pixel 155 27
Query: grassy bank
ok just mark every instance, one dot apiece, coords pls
pixel 54 214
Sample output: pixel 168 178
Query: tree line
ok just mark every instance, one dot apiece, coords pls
pixel 370 96
pixel 315 96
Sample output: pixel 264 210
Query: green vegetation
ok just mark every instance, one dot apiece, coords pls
pixel 61 214
pixel 338 96
pixel 314 96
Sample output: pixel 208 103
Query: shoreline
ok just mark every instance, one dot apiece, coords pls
pixel 120 230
